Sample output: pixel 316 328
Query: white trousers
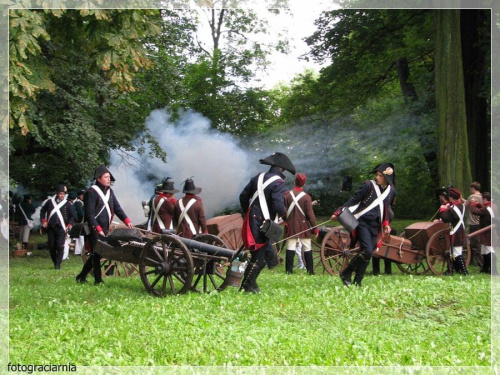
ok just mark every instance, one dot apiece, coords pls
pixel 485 250
pixel 79 245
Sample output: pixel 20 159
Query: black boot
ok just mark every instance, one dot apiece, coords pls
pixel 486 268
pixel 25 246
pixel 87 267
pixel 249 284
pixel 290 254
pixel 345 275
pixel 376 266
pixel 460 265
pixel 96 266
pixel 360 271
pixel 308 255
pixel 387 267
pixel 59 258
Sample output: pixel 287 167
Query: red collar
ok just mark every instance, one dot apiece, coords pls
pixel 296 188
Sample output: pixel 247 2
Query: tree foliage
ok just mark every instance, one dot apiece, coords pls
pixel 71 72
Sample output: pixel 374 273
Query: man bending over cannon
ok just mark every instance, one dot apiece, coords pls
pixel 372 207
pixel 262 202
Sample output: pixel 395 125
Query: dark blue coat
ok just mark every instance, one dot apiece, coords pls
pixel 275 198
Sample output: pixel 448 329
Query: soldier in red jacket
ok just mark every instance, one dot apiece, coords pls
pixel 299 219
pixel 486 212
pixel 189 212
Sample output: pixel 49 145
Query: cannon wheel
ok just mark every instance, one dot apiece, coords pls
pixel 415 268
pixel 437 252
pixel 335 252
pixel 211 280
pixel 166 266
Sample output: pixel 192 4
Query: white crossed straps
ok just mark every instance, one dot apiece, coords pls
pixel 57 210
pixel 379 201
pixel 156 216
pixel 261 185
pixel 460 219
pixel 295 203
pixel 184 214
pixel 105 199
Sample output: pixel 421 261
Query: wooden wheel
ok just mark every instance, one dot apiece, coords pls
pixel 212 270
pixel 231 236
pixel 437 252
pixel 166 266
pixel 335 251
pixel 415 268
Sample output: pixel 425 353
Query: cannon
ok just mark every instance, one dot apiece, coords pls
pixel 169 264
pixel 423 248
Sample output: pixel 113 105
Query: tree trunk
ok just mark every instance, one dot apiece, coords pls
pixel 453 150
pixel 475 26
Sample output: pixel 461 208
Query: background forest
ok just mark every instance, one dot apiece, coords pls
pixel 409 86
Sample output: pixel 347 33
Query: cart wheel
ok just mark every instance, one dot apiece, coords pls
pixel 437 251
pixel 213 271
pixel 415 268
pixel 166 266
pixel 317 261
pixel 335 251
pixel 231 236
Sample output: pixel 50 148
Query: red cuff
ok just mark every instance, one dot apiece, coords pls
pixel 98 228
pixel 316 231
pixel 127 221
pixel 443 209
pixel 69 226
pixel 44 221
pixel 386 223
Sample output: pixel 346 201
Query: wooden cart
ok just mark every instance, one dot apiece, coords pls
pixel 424 247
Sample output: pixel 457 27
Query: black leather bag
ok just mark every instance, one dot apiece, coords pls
pixel 271 230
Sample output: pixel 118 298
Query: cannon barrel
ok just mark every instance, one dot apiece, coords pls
pixel 207 248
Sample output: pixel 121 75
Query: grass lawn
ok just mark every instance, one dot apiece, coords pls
pixel 297 320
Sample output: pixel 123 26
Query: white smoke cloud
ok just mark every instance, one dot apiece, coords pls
pixel 214 160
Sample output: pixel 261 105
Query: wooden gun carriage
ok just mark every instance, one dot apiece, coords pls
pixel 170 264
pixel 424 247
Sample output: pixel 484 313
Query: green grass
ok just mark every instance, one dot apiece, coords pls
pixel 297 320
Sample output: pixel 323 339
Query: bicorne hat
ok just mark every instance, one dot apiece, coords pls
pixel 100 170
pixel 190 188
pixel 279 160
pixel 387 169
pixel 80 192
pixel 72 195
pixel 60 188
pixel 168 186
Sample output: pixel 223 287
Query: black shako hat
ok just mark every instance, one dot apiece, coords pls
pixel 190 188
pixel 100 170
pixel 279 160
pixel 168 186
pixel 387 169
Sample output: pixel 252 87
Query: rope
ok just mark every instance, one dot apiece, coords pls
pixel 432 218
pixel 284 239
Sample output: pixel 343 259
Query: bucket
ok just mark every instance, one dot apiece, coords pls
pixel 347 219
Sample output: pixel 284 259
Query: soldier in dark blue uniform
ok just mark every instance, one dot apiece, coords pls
pixel 373 219
pixel 255 211
pixel 100 205
pixel 57 218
